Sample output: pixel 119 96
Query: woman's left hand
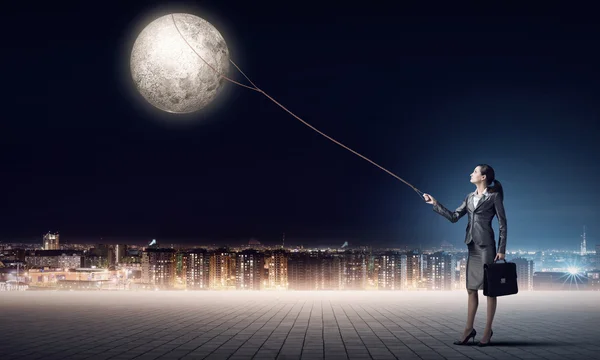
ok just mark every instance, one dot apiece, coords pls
pixel 499 257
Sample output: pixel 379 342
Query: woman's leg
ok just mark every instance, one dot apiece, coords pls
pixel 492 302
pixel 472 310
pixel 490 254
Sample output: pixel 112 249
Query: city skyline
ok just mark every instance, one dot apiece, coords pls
pixel 255 267
pixel 54 265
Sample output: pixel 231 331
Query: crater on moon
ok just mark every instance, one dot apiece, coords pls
pixel 167 72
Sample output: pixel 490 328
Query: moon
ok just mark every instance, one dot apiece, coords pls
pixel 168 73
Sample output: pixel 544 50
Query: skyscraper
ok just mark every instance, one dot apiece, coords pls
pixel 222 270
pixel 51 241
pixel 441 270
pixel 278 270
pixel 158 267
pixel 355 270
pixel 390 271
pixel 403 272
pixel 197 269
pixel 414 266
pixel 524 273
pixel 249 269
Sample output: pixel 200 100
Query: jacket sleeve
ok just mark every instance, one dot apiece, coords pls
pixel 452 217
pixel 499 206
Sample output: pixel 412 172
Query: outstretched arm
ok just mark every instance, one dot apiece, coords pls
pixel 499 205
pixel 451 216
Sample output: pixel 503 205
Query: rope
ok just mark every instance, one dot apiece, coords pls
pixel 255 88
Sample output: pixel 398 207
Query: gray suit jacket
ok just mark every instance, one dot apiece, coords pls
pixel 479 228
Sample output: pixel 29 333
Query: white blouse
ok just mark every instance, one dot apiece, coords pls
pixel 476 197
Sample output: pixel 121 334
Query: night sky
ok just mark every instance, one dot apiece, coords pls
pixel 428 97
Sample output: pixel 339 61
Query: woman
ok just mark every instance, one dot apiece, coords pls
pixel 481 205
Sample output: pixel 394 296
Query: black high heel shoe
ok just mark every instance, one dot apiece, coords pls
pixel 466 340
pixel 480 344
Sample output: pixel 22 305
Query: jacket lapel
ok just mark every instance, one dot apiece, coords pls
pixel 470 202
pixel 482 200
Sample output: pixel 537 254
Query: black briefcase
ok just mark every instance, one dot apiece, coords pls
pixel 500 279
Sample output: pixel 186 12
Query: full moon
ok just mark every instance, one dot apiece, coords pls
pixel 168 73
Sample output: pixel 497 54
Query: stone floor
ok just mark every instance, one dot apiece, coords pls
pixel 292 325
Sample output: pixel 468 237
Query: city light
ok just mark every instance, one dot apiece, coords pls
pixel 246 268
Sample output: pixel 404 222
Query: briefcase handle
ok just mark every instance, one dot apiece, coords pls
pixel 500 259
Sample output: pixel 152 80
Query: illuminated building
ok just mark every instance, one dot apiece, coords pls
pixel 389 274
pixel 75 279
pixel 355 270
pixel 198 269
pixel 403 272
pixel 57 259
pixel 222 270
pixel 594 280
pixel 249 270
pixel 440 271
pixel 278 270
pixel 181 264
pixel 414 271
pixel 392 271
pixel 158 267
pixel 524 274
pixel 373 267
pixel 51 241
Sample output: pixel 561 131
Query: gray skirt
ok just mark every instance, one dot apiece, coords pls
pixel 478 256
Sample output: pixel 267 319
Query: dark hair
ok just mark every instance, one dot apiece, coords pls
pixel 490 177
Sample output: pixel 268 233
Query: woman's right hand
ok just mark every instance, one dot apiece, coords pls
pixel 429 199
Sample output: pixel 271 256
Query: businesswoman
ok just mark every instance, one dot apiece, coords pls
pixel 481 205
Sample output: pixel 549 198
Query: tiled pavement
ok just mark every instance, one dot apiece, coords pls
pixel 292 325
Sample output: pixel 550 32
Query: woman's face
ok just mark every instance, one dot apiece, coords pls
pixel 476 177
